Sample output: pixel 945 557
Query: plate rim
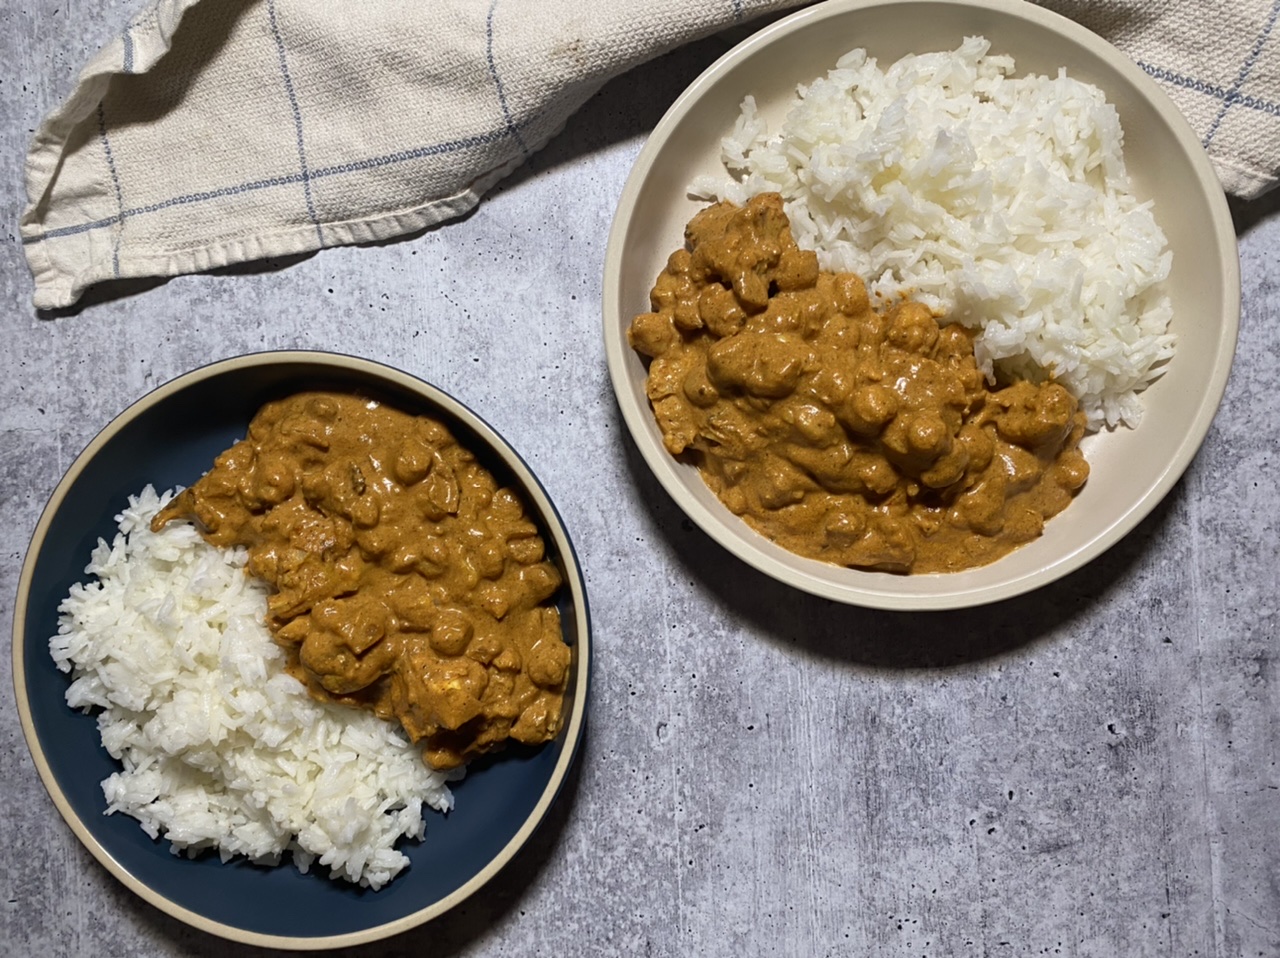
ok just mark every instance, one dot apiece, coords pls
pixel 751 547
pixel 575 581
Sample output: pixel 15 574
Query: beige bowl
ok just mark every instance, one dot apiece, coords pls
pixel 1132 470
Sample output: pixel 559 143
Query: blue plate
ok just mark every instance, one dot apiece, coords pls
pixel 170 437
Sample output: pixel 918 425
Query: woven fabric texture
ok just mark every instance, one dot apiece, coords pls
pixel 209 133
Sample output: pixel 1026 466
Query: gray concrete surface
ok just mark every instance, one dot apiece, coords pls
pixel 1088 771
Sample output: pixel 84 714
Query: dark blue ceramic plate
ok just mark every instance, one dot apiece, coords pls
pixel 170 437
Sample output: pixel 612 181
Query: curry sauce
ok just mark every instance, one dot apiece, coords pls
pixel 405 580
pixel 865 438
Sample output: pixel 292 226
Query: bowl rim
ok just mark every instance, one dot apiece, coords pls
pixel 533 490
pixel 750 546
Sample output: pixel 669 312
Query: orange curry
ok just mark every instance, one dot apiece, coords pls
pixel 406 581
pixel 863 438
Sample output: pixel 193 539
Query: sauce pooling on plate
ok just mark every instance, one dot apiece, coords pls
pixel 863 438
pixel 406 581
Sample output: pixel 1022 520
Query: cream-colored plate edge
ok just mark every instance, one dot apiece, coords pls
pixel 664 467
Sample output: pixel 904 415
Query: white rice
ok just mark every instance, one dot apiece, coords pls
pixel 1000 201
pixel 220 747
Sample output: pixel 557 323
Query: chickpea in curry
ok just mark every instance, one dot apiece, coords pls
pixel 865 438
pixel 405 580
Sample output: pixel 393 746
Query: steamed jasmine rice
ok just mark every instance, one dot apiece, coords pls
pixel 1001 202
pixel 219 746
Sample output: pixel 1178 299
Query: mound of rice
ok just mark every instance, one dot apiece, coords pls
pixel 220 747
pixel 1002 202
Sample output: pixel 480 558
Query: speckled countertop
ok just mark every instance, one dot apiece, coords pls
pixel 1089 770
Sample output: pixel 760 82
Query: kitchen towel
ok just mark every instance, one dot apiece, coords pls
pixel 212 132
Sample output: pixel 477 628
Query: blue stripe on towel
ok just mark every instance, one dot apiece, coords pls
pixel 418 153
pixel 297 120
pixel 1233 95
pixel 1208 89
pixel 115 182
pixel 389 159
pixel 1180 80
pixel 497 80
